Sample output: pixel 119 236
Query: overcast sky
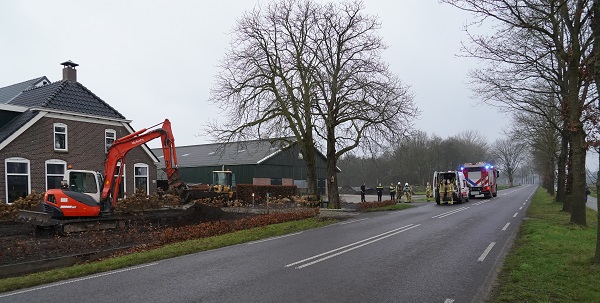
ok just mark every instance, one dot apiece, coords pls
pixel 153 60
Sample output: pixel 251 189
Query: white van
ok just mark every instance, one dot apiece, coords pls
pixel 461 188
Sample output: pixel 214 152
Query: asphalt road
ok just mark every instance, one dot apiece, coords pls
pixel 431 253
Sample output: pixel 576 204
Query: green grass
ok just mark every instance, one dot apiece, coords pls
pixel 552 260
pixel 167 251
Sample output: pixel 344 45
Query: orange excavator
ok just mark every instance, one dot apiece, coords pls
pixel 87 199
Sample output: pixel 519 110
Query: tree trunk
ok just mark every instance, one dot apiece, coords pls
pixel 561 175
pixel 567 206
pixel 597 256
pixel 333 192
pixel 551 177
pixel 595 67
pixel 578 208
pixel 308 153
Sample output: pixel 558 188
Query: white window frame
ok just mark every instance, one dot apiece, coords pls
pixel 54 126
pixel 54 161
pixel 106 138
pixel 6 174
pixel 123 179
pixel 147 176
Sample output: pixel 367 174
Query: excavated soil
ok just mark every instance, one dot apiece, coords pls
pixel 24 243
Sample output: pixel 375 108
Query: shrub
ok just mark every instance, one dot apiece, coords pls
pixel 138 203
pixel 10 212
pixel 244 192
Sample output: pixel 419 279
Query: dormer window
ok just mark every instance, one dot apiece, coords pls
pixel 60 137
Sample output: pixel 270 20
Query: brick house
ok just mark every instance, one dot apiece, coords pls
pixel 46 128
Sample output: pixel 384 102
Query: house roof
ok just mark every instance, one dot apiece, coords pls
pixel 16 123
pixel 7 93
pixel 234 153
pixel 67 96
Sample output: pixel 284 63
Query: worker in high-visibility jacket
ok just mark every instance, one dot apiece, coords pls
pixel 407 193
pixel 379 189
pixel 428 191
pixel 399 190
pixel 449 190
pixel 393 192
pixel 442 190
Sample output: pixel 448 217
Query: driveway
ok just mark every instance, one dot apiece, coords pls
pixel 591 203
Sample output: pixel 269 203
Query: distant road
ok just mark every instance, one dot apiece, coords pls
pixel 592 203
pixel 428 253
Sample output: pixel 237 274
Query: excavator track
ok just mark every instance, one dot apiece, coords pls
pixel 68 226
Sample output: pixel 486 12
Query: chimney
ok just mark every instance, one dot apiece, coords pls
pixel 69 71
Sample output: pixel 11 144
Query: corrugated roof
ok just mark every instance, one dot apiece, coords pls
pixel 66 96
pixel 7 93
pixel 217 154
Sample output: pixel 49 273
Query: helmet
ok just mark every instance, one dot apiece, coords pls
pixel 399 183
pixel 406 184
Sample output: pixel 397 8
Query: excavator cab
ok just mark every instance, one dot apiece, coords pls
pixel 223 182
pixel 83 181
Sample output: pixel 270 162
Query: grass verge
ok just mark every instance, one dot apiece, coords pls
pixel 167 251
pixel 552 260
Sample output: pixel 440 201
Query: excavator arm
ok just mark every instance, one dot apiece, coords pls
pixel 119 149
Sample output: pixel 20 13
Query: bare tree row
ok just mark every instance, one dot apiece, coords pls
pixel 542 63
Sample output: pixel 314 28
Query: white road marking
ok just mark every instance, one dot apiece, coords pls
pixel 273 238
pixel 515 215
pixel 78 280
pixel 506 226
pixel 520 207
pixel 449 301
pixel 448 213
pixel 344 249
pixel 352 221
pixel 486 252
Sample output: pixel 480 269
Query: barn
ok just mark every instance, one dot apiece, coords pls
pixel 259 162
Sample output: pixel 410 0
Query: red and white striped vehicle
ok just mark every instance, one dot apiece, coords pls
pixel 481 177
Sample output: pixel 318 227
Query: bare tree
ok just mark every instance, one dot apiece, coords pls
pixel 595 68
pixel 266 85
pixel 543 139
pixel 311 71
pixel 539 45
pixel 508 154
pixel 359 99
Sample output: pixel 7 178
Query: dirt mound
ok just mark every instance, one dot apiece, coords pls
pixel 200 212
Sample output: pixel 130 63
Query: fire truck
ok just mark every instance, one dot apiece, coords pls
pixel 481 177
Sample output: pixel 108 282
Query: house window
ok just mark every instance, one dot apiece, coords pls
pixel 60 137
pixel 122 186
pixel 17 178
pixel 55 172
pixel 141 176
pixel 109 137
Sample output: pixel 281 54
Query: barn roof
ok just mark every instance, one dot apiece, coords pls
pixel 233 153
